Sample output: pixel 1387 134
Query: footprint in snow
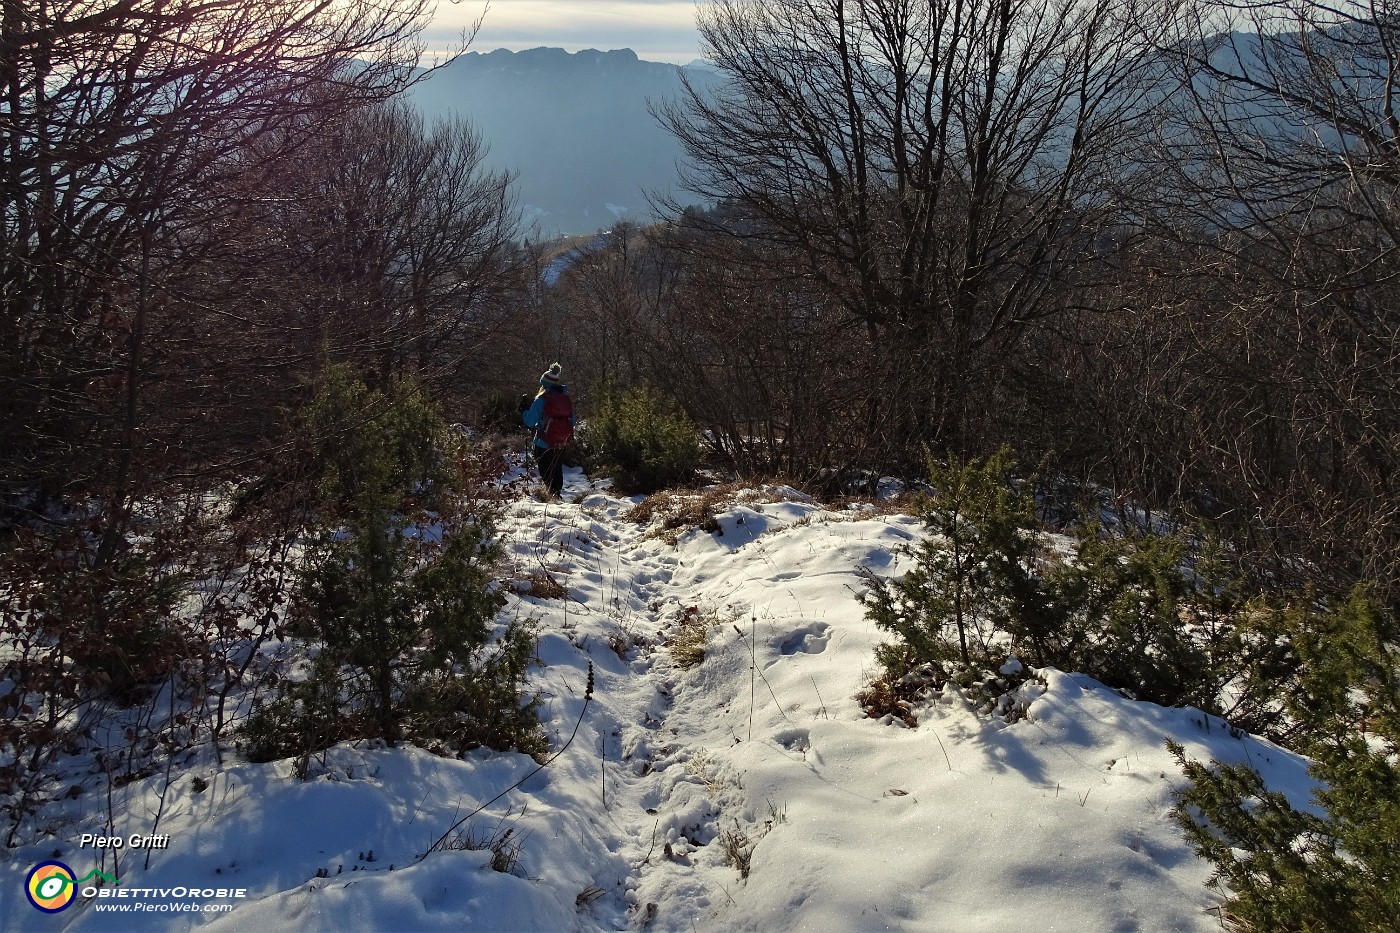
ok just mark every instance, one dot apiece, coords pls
pixel 811 638
pixel 794 740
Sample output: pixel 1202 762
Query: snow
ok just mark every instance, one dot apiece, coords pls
pixel 677 776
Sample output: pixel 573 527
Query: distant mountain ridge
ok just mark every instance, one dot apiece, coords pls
pixel 575 127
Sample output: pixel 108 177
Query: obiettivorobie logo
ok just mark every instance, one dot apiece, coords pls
pixel 52 886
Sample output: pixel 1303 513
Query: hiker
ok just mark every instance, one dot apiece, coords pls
pixel 551 414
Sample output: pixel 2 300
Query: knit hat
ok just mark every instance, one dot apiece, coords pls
pixel 553 376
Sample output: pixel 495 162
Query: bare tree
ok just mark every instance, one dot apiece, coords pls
pixel 383 243
pixel 389 239
pixel 938 163
pixel 609 288
pixel 1282 149
pixel 772 368
pixel 119 121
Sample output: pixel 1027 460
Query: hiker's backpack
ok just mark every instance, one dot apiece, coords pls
pixel 556 427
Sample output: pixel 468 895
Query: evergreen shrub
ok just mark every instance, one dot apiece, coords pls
pixel 1168 618
pixel 500 412
pixel 1337 870
pixel 368 447
pixel 643 438
pixel 972 573
pixel 1161 617
pixel 397 602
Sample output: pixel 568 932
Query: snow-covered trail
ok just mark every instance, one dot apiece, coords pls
pixel 656 795
pixel 748 792
pixel 1058 822
pixel 658 740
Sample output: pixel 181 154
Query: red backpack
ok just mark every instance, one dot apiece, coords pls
pixel 556 427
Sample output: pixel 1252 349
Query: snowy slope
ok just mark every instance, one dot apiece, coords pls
pixel 677 776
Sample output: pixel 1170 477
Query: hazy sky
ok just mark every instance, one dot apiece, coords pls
pixel 657 30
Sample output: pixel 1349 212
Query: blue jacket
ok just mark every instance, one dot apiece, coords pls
pixel 532 415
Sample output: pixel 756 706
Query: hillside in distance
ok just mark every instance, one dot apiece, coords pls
pixel 574 127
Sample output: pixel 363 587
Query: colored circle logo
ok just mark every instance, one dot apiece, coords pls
pixel 51 886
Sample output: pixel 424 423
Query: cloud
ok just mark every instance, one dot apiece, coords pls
pixel 659 30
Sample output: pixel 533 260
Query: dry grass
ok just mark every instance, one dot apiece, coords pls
pixel 892 695
pixel 882 699
pixel 676 511
pixel 855 508
pixel 503 843
pixel 540 585
pixel 623 641
pixel 737 849
pixel 687 643
pixel 737 845
pixel 702 766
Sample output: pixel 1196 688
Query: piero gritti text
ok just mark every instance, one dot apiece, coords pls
pixel 134 841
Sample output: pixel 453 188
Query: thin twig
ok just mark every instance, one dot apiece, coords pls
pixel 165 787
pixel 587 699
pixel 945 750
pixel 819 698
pixel 652 847
pixel 753 668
